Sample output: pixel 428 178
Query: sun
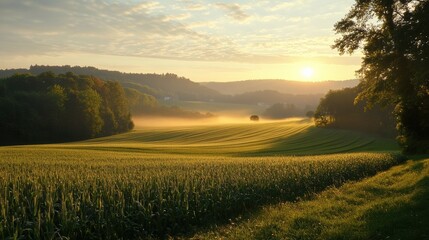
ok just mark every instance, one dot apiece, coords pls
pixel 307 72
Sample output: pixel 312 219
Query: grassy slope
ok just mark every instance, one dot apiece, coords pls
pixel 229 142
pixel 390 205
pixel 294 137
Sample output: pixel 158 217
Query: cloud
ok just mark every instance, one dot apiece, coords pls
pixel 189 5
pixel 156 30
pixel 287 5
pixel 234 11
pixel 195 7
pixel 145 6
pixel 178 17
pixel 94 26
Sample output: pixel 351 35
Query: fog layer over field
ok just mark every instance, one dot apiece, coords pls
pixel 141 122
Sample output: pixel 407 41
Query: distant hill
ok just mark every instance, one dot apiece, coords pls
pixel 282 86
pixel 160 85
pixel 170 89
pixel 269 97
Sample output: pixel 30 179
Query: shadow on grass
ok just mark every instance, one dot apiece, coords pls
pixel 407 220
pixel 391 210
pixel 317 141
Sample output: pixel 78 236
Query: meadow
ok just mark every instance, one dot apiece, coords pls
pixel 389 205
pixel 172 181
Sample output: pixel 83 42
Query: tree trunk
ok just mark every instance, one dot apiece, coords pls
pixel 407 111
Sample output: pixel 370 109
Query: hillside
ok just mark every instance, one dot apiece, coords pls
pixel 282 86
pixel 164 182
pixel 269 97
pixel 171 85
pixel 293 137
pixel 390 205
pixel 172 90
pixel 159 85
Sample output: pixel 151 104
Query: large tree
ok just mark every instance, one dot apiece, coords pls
pixel 394 37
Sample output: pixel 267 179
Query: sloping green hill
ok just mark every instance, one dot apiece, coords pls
pixel 166 182
pixel 391 205
pixel 293 137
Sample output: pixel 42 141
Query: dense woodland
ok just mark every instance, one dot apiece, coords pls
pixel 157 85
pixel 52 108
pixel 338 110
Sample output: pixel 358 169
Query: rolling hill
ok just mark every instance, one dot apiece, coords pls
pixel 282 86
pixel 163 182
pixel 160 85
pixel 172 90
pixel 291 137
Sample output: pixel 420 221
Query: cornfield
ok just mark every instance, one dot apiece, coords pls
pixel 116 195
pixel 161 182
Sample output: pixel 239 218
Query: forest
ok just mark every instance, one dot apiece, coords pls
pixel 57 108
pixel 339 110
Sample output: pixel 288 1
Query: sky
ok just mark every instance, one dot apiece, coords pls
pixel 201 40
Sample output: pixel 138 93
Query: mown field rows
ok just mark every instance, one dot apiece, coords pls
pixel 295 137
pixel 111 188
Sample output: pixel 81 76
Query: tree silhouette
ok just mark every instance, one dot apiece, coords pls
pixel 394 36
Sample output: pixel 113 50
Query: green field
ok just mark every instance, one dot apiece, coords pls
pixel 293 137
pixel 173 181
pixel 391 205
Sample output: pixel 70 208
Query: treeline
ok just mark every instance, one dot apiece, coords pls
pixel 142 104
pixel 338 110
pixel 285 110
pixel 157 85
pixel 270 97
pixel 143 91
pixel 64 107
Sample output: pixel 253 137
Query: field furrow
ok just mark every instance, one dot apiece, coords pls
pixel 160 182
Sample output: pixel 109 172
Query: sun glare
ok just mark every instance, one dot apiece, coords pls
pixel 307 72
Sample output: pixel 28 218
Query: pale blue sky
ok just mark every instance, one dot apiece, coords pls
pixel 201 40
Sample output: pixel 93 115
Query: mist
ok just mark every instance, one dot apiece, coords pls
pixel 144 122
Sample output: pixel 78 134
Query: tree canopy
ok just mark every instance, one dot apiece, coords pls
pixel 337 110
pixel 51 108
pixel 394 37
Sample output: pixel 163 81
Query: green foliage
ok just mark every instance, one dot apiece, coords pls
pixel 51 107
pixel 390 205
pixel 87 113
pixel 158 85
pixel 108 195
pixel 338 110
pixel 394 36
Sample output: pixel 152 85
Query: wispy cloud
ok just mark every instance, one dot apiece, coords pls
pixel 145 6
pixel 288 4
pixel 157 30
pixel 178 17
pixel 234 11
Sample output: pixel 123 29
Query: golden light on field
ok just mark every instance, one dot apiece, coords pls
pixel 307 72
